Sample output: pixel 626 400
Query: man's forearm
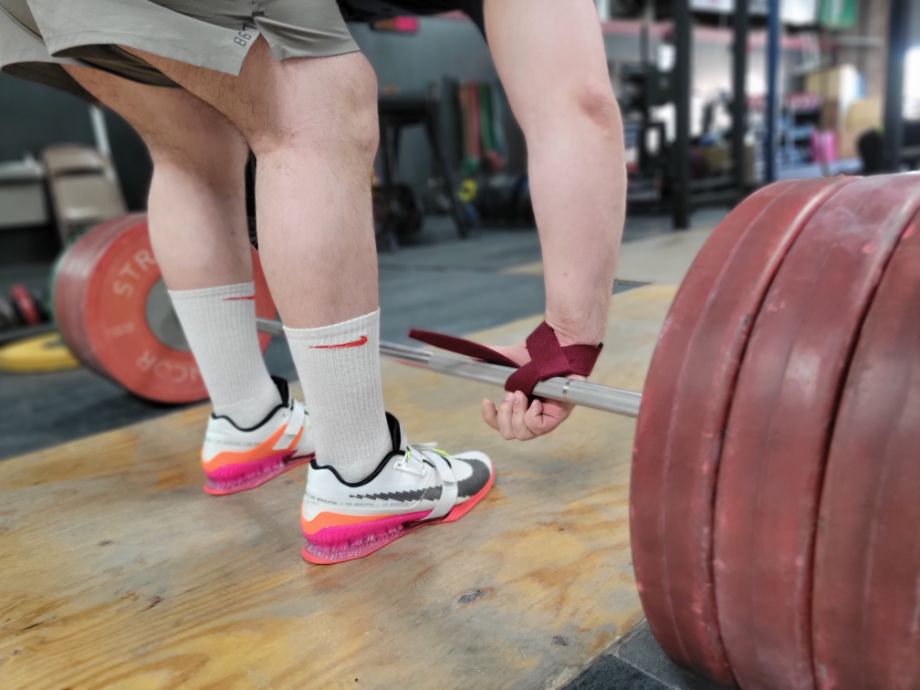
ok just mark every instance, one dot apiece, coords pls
pixel 554 70
pixel 581 228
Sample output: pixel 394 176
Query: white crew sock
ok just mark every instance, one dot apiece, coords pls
pixel 220 326
pixel 339 369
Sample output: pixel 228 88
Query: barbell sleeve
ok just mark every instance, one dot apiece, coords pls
pixel 582 393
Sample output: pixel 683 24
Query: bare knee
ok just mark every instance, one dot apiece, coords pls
pixel 333 116
pixel 210 148
pixel 179 129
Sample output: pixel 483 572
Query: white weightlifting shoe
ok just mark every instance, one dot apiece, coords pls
pixel 414 486
pixel 238 459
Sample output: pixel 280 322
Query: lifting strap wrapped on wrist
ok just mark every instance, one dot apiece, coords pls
pixel 548 358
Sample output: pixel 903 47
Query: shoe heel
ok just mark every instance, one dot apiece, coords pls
pixel 244 476
pixel 348 542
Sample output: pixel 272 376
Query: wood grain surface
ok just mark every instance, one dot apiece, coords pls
pixel 116 571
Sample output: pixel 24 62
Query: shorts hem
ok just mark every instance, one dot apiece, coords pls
pixel 62 45
pixel 281 51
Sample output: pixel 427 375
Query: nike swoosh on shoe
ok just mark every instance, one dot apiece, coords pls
pixel 465 487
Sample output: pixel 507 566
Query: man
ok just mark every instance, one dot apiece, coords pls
pixel 204 82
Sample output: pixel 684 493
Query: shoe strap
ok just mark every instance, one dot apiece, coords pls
pixel 295 424
pixel 449 488
pixel 548 359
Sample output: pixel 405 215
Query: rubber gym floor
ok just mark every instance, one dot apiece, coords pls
pixel 441 283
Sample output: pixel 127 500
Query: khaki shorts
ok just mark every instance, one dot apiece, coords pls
pixel 37 37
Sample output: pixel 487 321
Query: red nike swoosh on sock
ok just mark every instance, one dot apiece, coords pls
pixel 240 299
pixel 341 346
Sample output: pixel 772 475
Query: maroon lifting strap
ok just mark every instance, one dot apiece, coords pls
pixel 548 358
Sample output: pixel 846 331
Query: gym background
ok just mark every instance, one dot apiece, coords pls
pixel 718 100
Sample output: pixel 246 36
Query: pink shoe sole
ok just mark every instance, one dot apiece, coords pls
pixel 246 476
pixel 387 531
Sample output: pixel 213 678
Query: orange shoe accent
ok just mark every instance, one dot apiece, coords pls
pixel 267 447
pixel 324 520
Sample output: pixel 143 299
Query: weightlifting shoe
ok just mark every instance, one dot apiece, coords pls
pixel 235 459
pixel 413 486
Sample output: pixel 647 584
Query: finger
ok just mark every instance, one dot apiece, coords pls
pixel 534 418
pixel 543 418
pixel 504 418
pixel 490 413
pixel 518 410
pixel 540 421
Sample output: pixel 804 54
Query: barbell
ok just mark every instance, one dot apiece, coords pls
pixel 583 393
pixel 775 489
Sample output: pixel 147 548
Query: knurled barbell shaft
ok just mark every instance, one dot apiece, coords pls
pixel 582 393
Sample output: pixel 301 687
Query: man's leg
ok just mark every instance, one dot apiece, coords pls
pixel 312 123
pixel 196 204
pixel 551 60
pixel 199 233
